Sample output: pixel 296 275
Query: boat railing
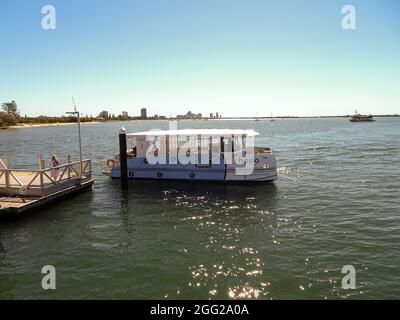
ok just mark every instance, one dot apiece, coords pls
pixel 42 182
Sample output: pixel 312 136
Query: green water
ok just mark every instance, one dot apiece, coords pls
pixel 336 203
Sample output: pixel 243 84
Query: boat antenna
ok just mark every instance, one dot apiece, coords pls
pixel 73 103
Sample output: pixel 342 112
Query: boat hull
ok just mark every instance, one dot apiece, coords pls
pixel 260 177
pixel 138 169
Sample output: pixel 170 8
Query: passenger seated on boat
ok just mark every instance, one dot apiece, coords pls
pixel 132 152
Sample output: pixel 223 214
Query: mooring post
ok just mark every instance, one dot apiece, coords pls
pixel 68 167
pixel 41 161
pixel 123 159
pixel 40 157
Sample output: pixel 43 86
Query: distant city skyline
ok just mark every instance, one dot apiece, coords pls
pixel 240 58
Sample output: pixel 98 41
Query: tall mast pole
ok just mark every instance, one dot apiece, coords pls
pixel 75 112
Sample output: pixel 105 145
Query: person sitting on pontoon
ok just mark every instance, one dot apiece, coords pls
pixel 54 163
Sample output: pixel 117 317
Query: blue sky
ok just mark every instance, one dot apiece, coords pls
pixel 237 57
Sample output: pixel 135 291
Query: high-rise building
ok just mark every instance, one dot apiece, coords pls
pixel 104 115
pixel 190 115
pixel 143 113
pixel 216 115
pixel 125 115
pixel 211 115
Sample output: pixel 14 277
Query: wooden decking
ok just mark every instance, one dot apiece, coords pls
pixel 15 202
pixel 13 206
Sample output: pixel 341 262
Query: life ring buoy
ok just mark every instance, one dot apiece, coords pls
pixel 110 163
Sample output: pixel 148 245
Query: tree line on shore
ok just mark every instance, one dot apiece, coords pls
pixel 10 116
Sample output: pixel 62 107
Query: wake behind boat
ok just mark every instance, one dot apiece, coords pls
pixel 195 154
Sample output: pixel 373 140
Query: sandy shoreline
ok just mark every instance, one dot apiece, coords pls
pixel 22 126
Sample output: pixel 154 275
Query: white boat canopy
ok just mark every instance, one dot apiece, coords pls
pixel 196 132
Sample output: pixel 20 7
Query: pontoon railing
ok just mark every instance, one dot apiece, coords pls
pixel 44 182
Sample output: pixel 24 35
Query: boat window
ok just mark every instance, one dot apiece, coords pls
pixel 216 145
pixel 238 143
pixel 205 142
pixel 216 140
pixel 183 140
pixel 235 143
pixel 227 144
pixel 131 142
pixel 141 146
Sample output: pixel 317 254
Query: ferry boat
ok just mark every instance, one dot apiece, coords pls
pixel 361 118
pixel 197 155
